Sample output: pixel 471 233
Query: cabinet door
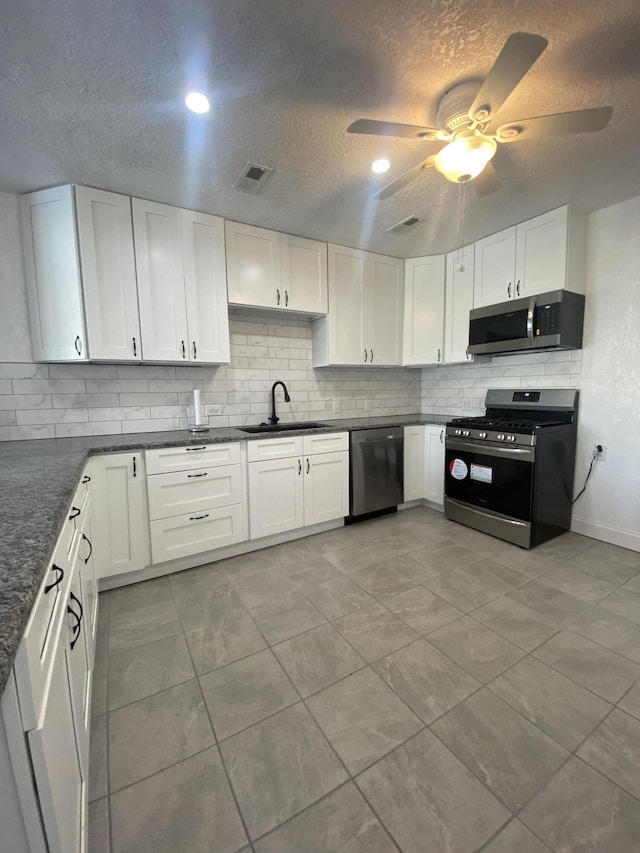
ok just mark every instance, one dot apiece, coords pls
pixel 253 266
pixel 326 487
pixel 105 236
pixel 276 496
pixel 52 272
pixel 423 310
pixel 383 310
pixel 495 261
pixel 158 248
pixel 205 280
pixel 347 301
pixel 88 580
pixel 304 275
pixel 56 762
pixel 75 637
pixel 458 303
pixel 541 253
pixel 414 445
pixel 434 464
pixel 120 516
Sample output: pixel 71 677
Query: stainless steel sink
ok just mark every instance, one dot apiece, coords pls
pixel 282 427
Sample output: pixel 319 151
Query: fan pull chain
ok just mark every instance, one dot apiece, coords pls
pixel 462 196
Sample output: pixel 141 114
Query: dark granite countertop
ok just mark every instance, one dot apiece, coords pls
pixel 38 479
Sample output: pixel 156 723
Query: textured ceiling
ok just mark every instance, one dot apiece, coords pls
pixel 91 92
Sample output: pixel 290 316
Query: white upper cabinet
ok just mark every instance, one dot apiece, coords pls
pixel 364 324
pixel 495 261
pixel 542 254
pixel 304 274
pixel 163 311
pixel 205 286
pixel 458 303
pixel 253 266
pixel 181 284
pixel 383 310
pixel 105 236
pixel 266 269
pixel 423 340
pixel 52 269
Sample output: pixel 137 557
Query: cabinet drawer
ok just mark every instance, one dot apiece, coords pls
pixel 274 448
pixel 36 651
pixel 186 458
pixel 184 535
pixel 325 443
pixel 191 491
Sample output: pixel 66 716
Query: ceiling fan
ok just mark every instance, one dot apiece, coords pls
pixel 466 122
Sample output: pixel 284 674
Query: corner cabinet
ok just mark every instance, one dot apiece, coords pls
pixel 120 519
pixel 364 324
pixel 80 272
pixel 267 269
pixel 424 459
pixel 542 254
pixel 180 258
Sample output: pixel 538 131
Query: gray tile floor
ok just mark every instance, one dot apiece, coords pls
pixel 406 684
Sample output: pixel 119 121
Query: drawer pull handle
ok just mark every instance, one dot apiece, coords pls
pixel 135 467
pixel 184 352
pixel 86 479
pixel 135 348
pixel 75 512
pixel 88 541
pixel 195 351
pixel 286 299
pixel 78 345
pixel 195 448
pixel 198 517
pixel 277 297
pixel 57 581
pixel 72 612
pixel 299 467
pixel 308 466
pixel 193 476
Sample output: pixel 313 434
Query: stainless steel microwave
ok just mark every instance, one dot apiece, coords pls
pixel 551 320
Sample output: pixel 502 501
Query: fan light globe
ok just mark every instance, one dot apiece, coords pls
pixel 197 102
pixel 465 157
pixel 380 166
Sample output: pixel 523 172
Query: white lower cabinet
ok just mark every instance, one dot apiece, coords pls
pixel 308 484
pixel 434 464
pixel 120 518
pixel 193 509
pixel 413 463
pixel 424 463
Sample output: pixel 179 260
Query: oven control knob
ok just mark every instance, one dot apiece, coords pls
pixel 500 436
pixel 482 435
pixel 465 432
pixel 511 438
pixel 458 432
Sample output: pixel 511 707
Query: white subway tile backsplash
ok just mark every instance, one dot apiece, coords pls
pixel 51 416
pixel 91 428
pixel 13 402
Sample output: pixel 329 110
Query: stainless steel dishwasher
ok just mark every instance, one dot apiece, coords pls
pixel 376 475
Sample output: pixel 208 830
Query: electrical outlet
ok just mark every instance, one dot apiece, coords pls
pixel 467 404
pixel 212 410
pixel 601 452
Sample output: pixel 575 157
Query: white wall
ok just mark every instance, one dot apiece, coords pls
pixel 15 340
pixel 610 395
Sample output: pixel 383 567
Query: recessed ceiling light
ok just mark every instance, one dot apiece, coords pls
pixel 380 166
pixel 197 102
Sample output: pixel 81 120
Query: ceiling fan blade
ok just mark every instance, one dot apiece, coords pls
pixel 487 181
pixel 517 56
pixel 392 128
pixel 403 180
pixel 580 121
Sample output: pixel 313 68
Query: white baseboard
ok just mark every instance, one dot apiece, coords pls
pixel 606 533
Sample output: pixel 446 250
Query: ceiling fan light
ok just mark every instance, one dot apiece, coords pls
pixel 380 166
pixel 465 157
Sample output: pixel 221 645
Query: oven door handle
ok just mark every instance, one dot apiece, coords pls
pixel 523 454
pixel 530 316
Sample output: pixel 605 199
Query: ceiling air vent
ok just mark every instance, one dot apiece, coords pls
pixel 404 224
pixel 251 178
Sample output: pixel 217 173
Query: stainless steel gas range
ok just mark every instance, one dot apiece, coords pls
pixel 510 473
